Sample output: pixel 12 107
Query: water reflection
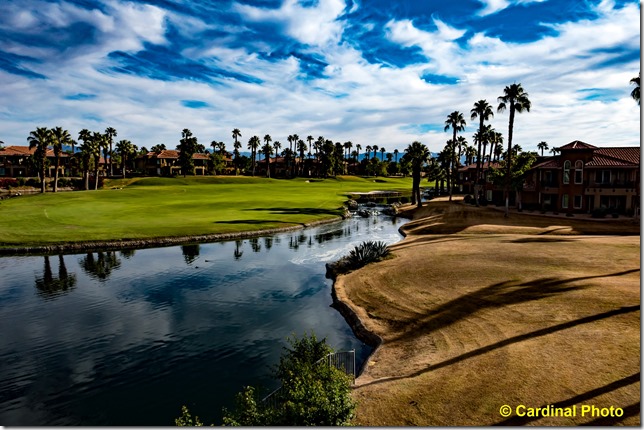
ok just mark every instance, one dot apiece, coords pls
pixel 102 266
pixel 48 286
pixel 190 252
pixel 154 325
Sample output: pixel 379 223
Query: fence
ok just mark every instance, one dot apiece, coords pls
pixel 342 360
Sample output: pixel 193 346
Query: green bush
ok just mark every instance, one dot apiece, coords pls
pixel 312 393
pixel 367 252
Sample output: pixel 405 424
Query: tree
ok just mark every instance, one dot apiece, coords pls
pixel 187 148
pixel 417 154
pixel 267 149
pixel 523 163
pixel 253 144
pixel 237 146
pixel 40 139
pixel 396 154
pixel 312 393
pixel 110 134
pixel 127 150
pixel 496 140
pixel 382 154
pixel 59 137
pixel 543 146
pixel 98 142
pixel 518 101
pixel 158 148
pixel 86 153
pixel 483 111
pixel 457 123
pixel 636 91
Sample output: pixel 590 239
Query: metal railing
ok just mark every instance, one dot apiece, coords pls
pixel 341 360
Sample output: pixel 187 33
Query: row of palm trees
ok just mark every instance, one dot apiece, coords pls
pixel 89 156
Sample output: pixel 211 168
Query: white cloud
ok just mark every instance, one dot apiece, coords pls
pixel 317 25
pixel 494 6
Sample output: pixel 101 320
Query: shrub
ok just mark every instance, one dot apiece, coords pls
pixel 367 252
pixel 8 182
pixel 468 199
pixel 599 213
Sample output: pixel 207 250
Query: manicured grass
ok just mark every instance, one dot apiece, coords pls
pixel 164 207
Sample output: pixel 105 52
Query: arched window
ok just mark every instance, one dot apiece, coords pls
pixel 566 172
pixel 579 172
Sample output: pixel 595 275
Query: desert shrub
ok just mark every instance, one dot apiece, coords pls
pixel 33 182
pixel 468 199
pixel 367 252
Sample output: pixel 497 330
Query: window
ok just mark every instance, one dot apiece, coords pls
pixel 564 201
pixel 2 171
pixel 602 176
pixel 577 202
pixel 566 172
pixel 579 172
pixel 489 195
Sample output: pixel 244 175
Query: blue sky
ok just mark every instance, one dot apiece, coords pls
pixel 369 71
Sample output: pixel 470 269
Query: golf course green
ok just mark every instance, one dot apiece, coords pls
pixel 148 208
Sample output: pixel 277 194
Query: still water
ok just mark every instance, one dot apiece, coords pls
pixel 127 337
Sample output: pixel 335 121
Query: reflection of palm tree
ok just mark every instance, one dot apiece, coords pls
pixel 268 242
pixel 127 253
pixel 48 286
pixel 254 244
pixel 102 266
pixel 238 252
pixel 190 252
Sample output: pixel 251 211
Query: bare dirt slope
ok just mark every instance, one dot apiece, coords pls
pixel 500 312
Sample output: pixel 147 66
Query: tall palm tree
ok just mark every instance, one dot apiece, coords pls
pixel 277 145
pixel 417 154
pixel 99 142
pixel 301 146
pixel 396 154
pixel 484 140
pixel 517 99
pixel 382 154
pixel 86 154
pixel 375 149
pixel 267 149
pixel 368 149
pixel 237 146
pixel 358 148
pixel 126 149
pixel 59 137
pixel 457 123
pixel 40 139
pixel 110 134
pixel 310 140
pixel 636 91
pixel 496 140
pixel 543 146
pixel 253 144
pixel 483 111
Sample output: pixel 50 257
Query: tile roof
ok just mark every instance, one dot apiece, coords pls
pixel 16 151
pixel 472 166
pixel 577 144
pixel 171 153
pixel 615 157
pixel 550 163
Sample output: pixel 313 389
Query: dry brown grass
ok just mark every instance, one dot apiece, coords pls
pixel 485 316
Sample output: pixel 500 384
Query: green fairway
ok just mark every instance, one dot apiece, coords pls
pixel 164 207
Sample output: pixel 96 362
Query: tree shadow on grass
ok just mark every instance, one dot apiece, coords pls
pixel 521 421
pixel 541 239
pixel 299 211
pixel 494 296
pixel 255 222
pixel 510 341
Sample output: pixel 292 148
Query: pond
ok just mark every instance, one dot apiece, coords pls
pixel 127 337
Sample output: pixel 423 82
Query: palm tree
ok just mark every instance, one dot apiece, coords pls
pixel 60 137
pixel 277 145
pixel 126 149
pixel 110 134
pixel 554 151
pixel 40 139
pixel 98 142
pixel 368 149
pixel 301 146
pixel 517 99
pixel 483 111
pixel 87 151
pixel 417 154
pixel 253 144
pixel 543 146
pixel 396 154
pixel 358 148
pixel 496 140
pixel 636 91
pixel 237 146
pixel 267 149
pixel 470 153
pixel 309 139
pixel 375 149
pixel 457 123
pixel 347 146
pixel 382 154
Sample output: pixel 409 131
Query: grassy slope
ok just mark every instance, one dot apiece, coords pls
pixel 162 207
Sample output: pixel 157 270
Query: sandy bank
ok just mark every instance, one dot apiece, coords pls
pixel 477 312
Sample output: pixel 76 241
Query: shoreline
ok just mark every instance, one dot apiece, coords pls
pixel 153 242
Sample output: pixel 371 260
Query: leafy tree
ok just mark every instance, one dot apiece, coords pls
pixel 40 139
pixel 521 163
pixel 457 123
pixel 517 99
pixel 59 137
pixel 312 393
pixel 127 150
pixel 417 154
pixel 187 148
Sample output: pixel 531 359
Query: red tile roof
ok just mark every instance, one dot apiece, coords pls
pixel 485 165
pixel 550 163
pixel 16 151
pixel 171 153
pixel 577 144
pixel 615 157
